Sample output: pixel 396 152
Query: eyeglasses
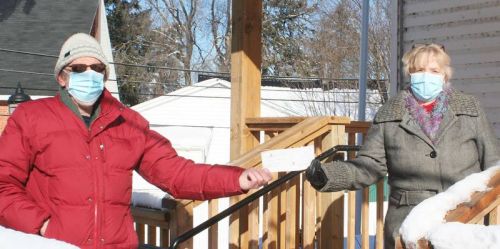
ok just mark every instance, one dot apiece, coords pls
pixel 418 45
pixel 80 68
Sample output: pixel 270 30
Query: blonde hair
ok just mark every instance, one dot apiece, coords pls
pixel 420 55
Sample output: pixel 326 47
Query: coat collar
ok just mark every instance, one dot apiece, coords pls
pixel 395 108
pixel 110 111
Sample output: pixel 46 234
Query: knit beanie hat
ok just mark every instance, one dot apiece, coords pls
pixel 77 46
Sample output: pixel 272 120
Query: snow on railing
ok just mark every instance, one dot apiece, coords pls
pixel 456 235
pixel 11 239
pixel 427 220
pixel 149 198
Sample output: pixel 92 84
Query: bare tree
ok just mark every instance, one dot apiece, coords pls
pixel 379 40
pixel 335 45
pixel 220 20
pixel 177 29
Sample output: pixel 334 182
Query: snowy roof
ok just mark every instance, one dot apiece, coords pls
pixel 208 102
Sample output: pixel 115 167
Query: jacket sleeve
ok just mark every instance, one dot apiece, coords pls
pixel 17 210
pixel 183 178
pixel 487 142
pixel 368 167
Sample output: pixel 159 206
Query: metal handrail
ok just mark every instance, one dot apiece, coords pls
pixel 187 235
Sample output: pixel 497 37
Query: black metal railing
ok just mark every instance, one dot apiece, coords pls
pixel 189 234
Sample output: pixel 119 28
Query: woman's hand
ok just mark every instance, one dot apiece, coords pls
pixel 254 178
pixel 315 175
pixel 44 227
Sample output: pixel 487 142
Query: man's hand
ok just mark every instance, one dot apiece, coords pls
pixel 44 227
pixel 254 178
pixel 315 175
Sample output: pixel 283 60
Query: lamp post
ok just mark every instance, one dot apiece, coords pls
pixel 18 97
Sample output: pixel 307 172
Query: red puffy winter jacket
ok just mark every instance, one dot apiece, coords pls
pixel 53 166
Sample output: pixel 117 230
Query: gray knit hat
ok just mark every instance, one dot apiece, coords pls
pixel 77 46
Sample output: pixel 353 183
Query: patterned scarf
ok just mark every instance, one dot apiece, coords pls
pixel 429 122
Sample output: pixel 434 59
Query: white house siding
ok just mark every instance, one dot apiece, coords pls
pixel 470 32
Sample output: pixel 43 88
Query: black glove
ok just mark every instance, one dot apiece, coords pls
pixel 315 175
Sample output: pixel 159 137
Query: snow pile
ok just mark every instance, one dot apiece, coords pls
pixel 149 199
pixel 431 212
pixel 455 235
pixel 11 239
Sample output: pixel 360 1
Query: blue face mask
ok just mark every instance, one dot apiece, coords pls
pixel 426 86
pixel 86 87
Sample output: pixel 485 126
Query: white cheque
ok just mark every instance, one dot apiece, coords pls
pixel 292 159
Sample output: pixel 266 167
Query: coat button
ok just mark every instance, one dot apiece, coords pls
pixel 87 157
pixel 433 154
pixel 89 241
pixel 90 199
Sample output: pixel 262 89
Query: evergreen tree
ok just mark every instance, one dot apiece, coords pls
pixel 129 26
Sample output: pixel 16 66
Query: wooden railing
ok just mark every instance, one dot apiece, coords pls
pixel 151 224
pixel 483 208
pixel 295 215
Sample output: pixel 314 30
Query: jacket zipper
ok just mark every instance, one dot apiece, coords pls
pixel 99 187
pixel 96 194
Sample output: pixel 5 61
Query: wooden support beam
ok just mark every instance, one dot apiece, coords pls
pixel 246 58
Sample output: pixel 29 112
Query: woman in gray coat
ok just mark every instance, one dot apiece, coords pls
pixel 426 138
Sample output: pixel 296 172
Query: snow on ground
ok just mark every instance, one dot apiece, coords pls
pixel 431 212
pixel 11 239
pixel 455 235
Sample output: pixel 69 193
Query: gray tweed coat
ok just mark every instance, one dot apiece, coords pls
pixel 417 168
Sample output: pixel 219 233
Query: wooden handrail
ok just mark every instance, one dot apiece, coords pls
pixel 277 124
pixel 480 201
pixel 470 212
pixel 298 135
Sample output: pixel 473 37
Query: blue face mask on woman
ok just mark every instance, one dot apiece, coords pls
pixel 86 87
pixel 426 86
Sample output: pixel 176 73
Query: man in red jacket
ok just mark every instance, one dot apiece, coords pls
pixel 66 162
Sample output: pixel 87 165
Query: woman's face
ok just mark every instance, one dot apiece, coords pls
pixel 428 64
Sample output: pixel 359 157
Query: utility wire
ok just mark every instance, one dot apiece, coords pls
pixel 193 96
pixel 28 53
pixel 39 89
pixel 122 82
pixel 215 97
pixel 190 126
pixel 176 69
pixel 24 72
pixel 118 63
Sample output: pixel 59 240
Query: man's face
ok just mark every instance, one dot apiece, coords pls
pixel 63 78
